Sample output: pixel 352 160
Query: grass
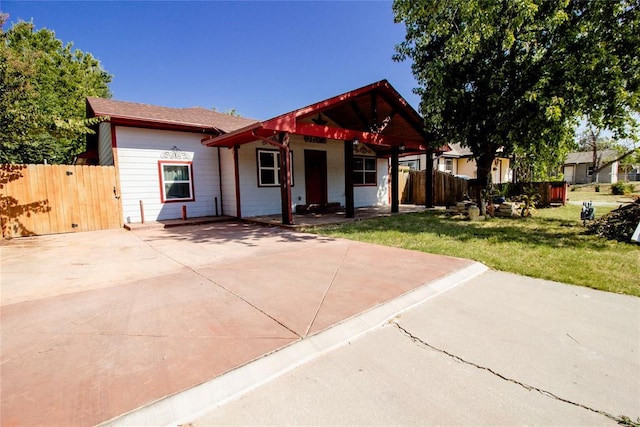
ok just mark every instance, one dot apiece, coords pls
pixel 587 192
pixel 552 245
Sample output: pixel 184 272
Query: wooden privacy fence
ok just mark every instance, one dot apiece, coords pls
pixel 447 189
pixel 549 192
pixel 49 199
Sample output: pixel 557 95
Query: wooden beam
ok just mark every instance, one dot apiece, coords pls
pixel 285 179
pixel 373 127
pixel 360 114
pixel 283 123
pixel 386 121
pixel 330 132
pixel 348 180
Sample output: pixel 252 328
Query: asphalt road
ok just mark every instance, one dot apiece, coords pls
pixel 500 349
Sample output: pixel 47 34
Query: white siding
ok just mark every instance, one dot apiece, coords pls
pixel 105 151
pixel 228 182
pixel 257 201
pixel 140 150
pixel 374 195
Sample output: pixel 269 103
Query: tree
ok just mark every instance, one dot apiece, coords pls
pixel 232 112
pixel 628 163
pixel 43 86
pixel 517 75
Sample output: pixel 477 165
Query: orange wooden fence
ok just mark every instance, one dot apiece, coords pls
pixel 447 189
pixel 49 199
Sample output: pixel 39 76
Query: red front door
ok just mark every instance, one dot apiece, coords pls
pixel 315 176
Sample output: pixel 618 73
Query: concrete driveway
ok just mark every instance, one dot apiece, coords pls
pixel 147 327
pixel 499 349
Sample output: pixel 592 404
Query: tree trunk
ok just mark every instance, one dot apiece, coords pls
pixel 484 163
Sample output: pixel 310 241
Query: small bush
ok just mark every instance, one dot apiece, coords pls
pixel 620 188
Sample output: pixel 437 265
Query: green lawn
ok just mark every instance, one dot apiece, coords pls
pixel 552 245
pixel 587 192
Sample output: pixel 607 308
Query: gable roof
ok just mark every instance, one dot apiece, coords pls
pixel 194 119
pixel 375 114
pixel 586 157
pixel 457 150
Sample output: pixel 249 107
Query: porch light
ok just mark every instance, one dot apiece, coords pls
pixel 402 147
pixel 356 141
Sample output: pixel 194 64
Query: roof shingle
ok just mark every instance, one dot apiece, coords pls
pixel 582 157
pixel 188 117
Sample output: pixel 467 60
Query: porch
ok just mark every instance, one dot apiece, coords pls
pixel 346 148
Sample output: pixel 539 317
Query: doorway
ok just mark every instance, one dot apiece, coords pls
pixel 315 177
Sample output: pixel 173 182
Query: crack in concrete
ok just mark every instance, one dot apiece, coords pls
pixel 622 419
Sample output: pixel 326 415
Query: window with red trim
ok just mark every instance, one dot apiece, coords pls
pixel 176 181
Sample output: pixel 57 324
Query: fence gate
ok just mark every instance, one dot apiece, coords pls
pixel 50 199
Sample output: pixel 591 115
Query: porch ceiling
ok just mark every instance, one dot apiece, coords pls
pixel 375 114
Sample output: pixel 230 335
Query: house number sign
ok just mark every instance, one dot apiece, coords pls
pixel 176 154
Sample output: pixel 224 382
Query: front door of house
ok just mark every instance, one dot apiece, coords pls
pixel 315 176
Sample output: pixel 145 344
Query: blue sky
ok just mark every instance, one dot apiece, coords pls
pixel 262 58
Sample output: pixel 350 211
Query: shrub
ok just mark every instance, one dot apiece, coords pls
pixel 620 188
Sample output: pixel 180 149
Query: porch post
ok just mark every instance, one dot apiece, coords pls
pixel 348 179
pixel 395 204
pixel 429 180
pixel 285 179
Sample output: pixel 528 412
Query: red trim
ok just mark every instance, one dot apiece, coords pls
pixel 113 136
pixel 288 122
pixel 161 179
pixel 241 136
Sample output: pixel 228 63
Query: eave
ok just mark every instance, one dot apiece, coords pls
pixel 375 115
pixel 161 125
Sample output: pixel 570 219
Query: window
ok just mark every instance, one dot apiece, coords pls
pixel 413 165
pixel 269 168
pixel 176 181
pixel 364 171
pixel 448 165
pixel 589 170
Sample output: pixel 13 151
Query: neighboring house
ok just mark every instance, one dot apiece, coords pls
pixel 172 160
pixel 459 161
pixel 632 174
pixel 578 167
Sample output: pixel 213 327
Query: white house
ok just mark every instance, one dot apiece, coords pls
pixel 173 162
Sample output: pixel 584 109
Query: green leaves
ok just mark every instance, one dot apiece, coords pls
pixel 43 86
pixel 517 74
